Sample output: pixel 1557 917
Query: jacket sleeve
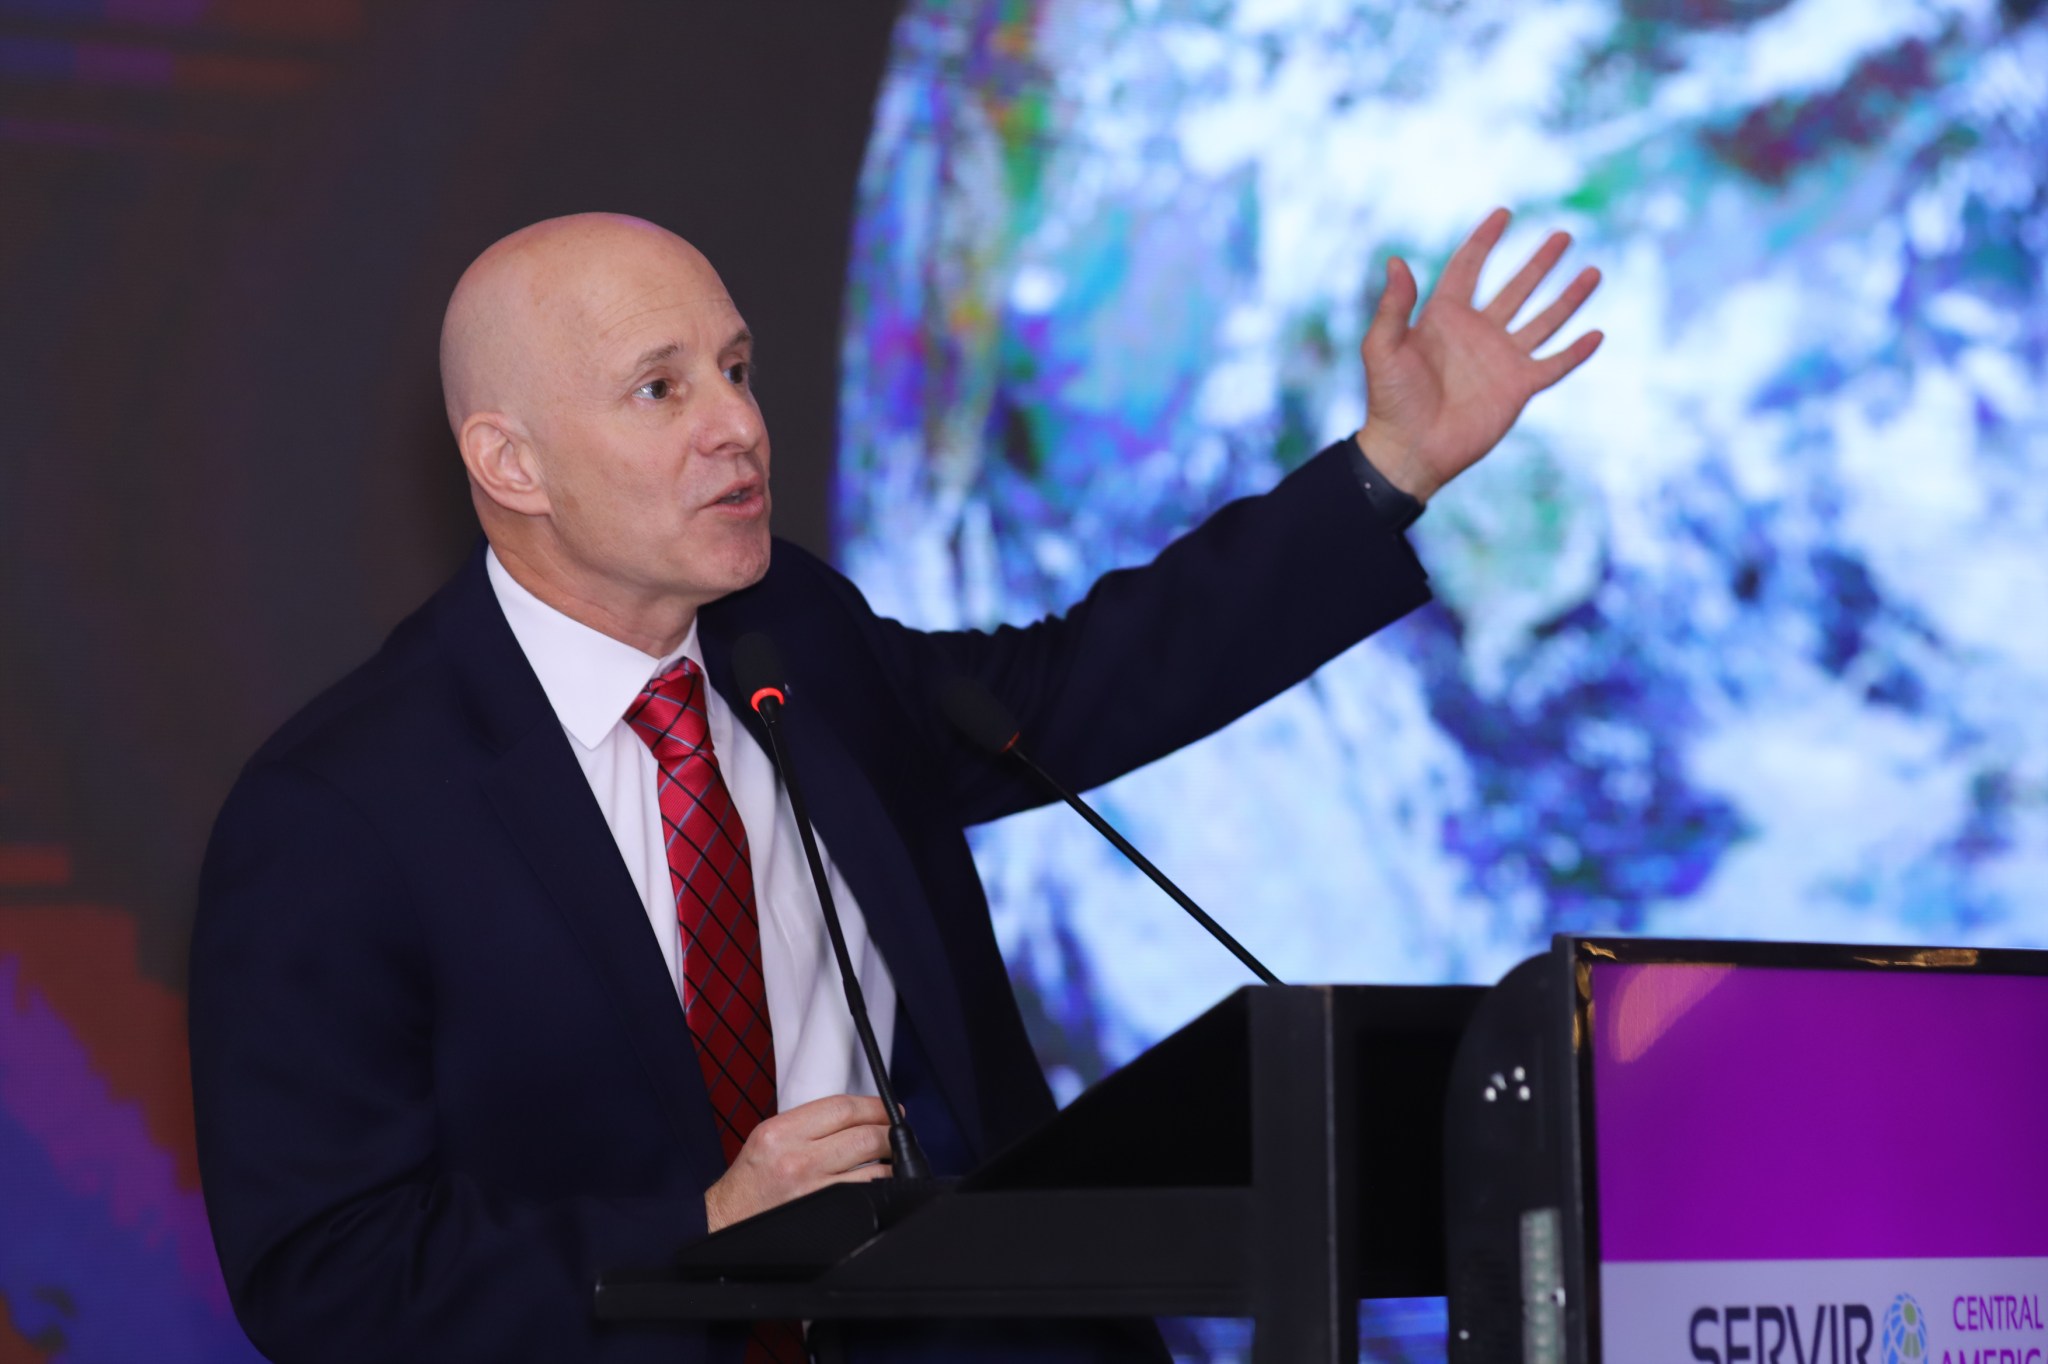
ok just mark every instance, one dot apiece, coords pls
pixel 1236 611
pixel 312 1003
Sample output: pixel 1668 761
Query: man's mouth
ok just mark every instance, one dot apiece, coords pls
pixel 739 494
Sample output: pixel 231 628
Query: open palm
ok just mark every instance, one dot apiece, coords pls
pixel 1441 391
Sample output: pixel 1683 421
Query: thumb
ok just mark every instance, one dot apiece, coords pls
pixel 1390 322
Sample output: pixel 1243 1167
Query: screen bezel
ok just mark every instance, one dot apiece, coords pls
pixel 1577 955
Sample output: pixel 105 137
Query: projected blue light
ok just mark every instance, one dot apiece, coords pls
pixel 1737 635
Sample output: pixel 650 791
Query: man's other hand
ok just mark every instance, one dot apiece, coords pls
pixel 1442 391
pixel 835 1140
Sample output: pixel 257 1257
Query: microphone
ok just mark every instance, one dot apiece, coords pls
pixel 757 667
pixel 988 724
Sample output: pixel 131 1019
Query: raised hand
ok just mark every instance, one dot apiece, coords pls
pixel 1443 390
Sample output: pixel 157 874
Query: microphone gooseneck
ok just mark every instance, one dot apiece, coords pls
pixel 974 710
pixel 757 667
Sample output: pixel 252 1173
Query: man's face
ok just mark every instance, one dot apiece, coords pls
pixel 648 438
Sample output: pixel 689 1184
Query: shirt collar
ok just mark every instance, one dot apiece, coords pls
pixel 589 677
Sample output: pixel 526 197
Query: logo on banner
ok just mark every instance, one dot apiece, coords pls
pixel 1985 1326
pixel 1905 1332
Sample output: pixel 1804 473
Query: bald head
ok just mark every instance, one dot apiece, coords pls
pixel 535 299
pixel 599 384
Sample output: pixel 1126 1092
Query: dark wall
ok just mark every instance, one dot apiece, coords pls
pixel 223 470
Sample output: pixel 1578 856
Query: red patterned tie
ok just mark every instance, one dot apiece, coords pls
pixel 725 1000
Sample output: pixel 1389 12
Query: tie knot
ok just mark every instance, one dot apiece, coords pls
pixel 668 715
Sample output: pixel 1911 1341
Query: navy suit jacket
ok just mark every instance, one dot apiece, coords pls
pixel 440 1071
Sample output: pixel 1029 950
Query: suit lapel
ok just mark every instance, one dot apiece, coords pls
pixel 853 824
pixel 543 797
pixel 535 785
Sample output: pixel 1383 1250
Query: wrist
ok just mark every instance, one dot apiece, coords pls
pixel 716 1215
pixel 1397 463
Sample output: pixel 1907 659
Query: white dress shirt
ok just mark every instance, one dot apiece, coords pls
pixel 591 680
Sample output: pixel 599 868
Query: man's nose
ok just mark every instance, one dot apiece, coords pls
pixel 731 422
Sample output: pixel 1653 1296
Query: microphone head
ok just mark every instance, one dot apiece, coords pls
pixel 757 667
pixel 977 714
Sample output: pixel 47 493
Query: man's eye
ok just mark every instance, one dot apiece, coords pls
pixel 656 389
pixel 739 373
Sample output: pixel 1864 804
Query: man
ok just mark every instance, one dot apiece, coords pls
pixel 507 969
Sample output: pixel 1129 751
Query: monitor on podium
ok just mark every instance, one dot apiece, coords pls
pixel 1751 1153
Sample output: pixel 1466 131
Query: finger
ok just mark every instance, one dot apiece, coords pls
pixel 833 1113
pixel 1461 273
pixel 862 1175
pixel 1547 323
pixel 1551 368
pixel 816 1172
pixel 1397 304
pixel 856 1146
pixel 1509 300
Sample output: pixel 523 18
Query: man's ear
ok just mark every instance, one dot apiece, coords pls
pixel 500 462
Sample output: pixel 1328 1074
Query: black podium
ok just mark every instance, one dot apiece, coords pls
pixel 1279 1158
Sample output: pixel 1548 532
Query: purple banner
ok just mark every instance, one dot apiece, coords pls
pixel 1772 1114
